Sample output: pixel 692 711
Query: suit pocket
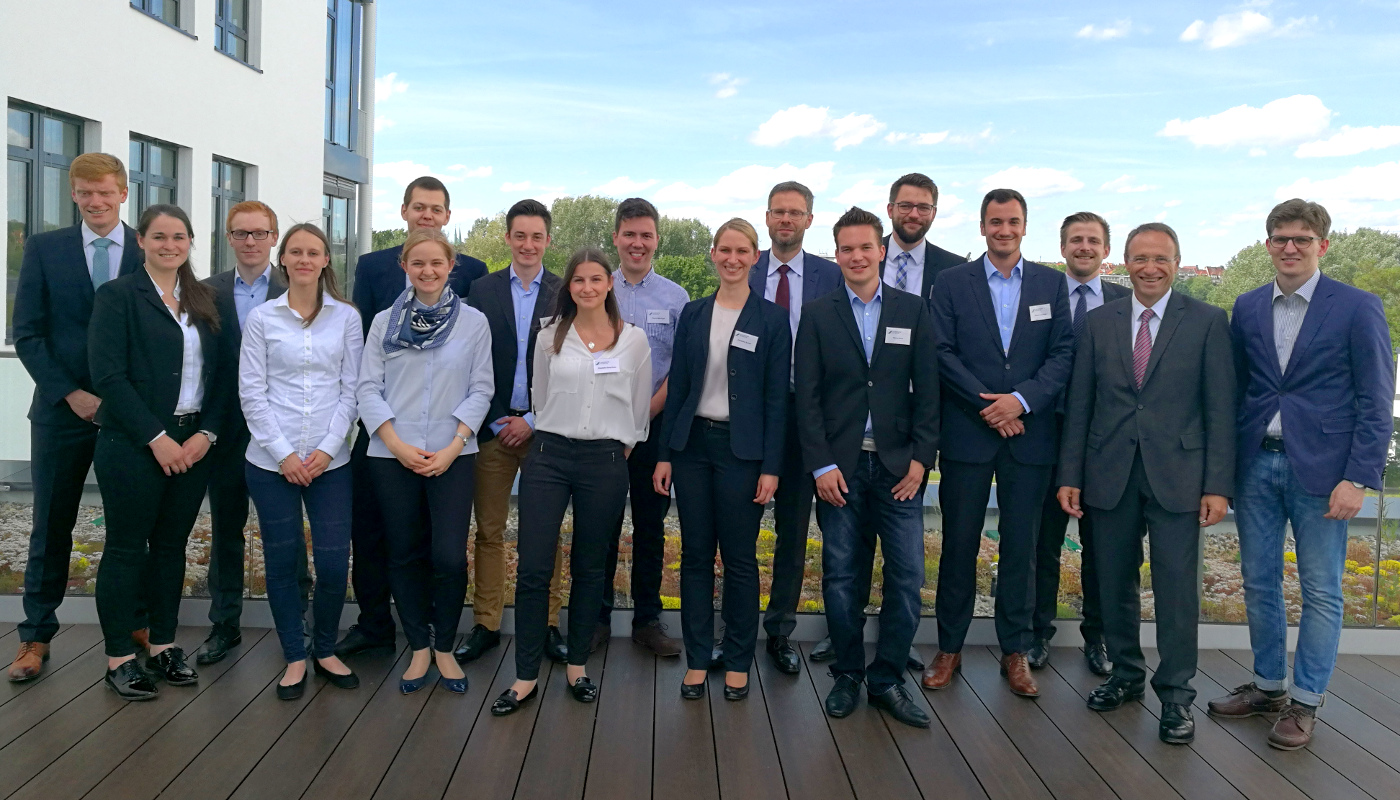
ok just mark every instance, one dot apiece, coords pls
pixel 1193 441
pixel 1339 425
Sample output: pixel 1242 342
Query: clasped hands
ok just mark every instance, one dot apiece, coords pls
pixel 178 458
pixel 302 471
pixel 1004 414
pixel 427 463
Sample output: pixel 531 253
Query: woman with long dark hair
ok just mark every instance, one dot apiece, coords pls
pixel 155 355
pixel 591 399
pixel 296 380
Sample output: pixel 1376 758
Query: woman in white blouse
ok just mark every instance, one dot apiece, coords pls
pixel 296 382
pixel 591 398
pixel 425 386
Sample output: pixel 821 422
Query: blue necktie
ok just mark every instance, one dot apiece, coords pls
pixel 1081 307
pixel 101 262
pixel 901 273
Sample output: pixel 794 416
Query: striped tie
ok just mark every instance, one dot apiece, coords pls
pixel 1142 347
pixel 901 273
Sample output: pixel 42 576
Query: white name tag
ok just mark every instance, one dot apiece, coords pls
pixel 744 341
pixel 605 366
pixel 897 336
pixel 660 315
pixel 1040 312
pixel 544 321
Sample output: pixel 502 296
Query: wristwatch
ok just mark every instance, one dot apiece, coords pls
pixel 212 436
pixel 465 440
pixel 1363 487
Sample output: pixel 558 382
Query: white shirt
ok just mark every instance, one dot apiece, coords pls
pixel 297 384
pixel 1158 309
pixel 914 284
pixel 573 400
pixel 192 362
pixel 114 250
pixel 770 287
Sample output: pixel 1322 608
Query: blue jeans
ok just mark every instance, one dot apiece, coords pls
pixel 848 541
pixel 279 504
pixel 1269 496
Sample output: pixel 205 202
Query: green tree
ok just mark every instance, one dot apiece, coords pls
pixel 486 240
pixel 1349 258
pixel 1246 270
pixel 1197 286
pixel 585 221
pixel 683 237
pixel 1385 283
pixel 694 273
pixel 383 240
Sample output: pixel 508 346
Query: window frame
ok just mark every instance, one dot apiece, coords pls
pixel 221 255
pixel 336 188
pixel 142 178
pixel 224 27
pixel 335 28
pixel 148 8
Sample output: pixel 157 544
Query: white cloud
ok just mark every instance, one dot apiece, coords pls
pixel 386 86
pixel 948 215
pixel 864 193
pixel 1380 183
pixel 1032 181
pixel 916 138
pixel 1238 28
pixel 747 184
pixel 984 135
pixel 403 172
pixel 381 122
pixel 1117 30
pixel 1161 217
pixel 470 172
pixel 622 187
pixel 804 121
pixel 521 186
pixel 1349 141
pixel 1284 121
pixel 728 84
pixel 1124 185
pixel 1172 203
pixel 1257 152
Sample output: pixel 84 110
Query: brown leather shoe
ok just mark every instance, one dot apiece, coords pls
pixel 653 637
pixel 1294 727
pixel 1246 701
pixel 940 673
pixel 29 662
pixel 142 638
pixel 1018 673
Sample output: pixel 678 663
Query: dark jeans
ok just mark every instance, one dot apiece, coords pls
pixel 148 517
pixel 1174 540
pixel 427 563
pixel 279 505
pixel 648 535
pixel 963 493
pixel 1053 524
pixel 848 545
pixel 714 497
pixel 593 473
pixel 792 516
pixel 59 459
pixel 369 571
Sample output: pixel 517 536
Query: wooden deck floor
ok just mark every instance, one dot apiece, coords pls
pixel 66 736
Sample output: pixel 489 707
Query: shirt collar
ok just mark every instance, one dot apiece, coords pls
pixel 855 298
pixel 261 279
pixel 1305 291
pixel 515 276
pixel 991 268
pixel 795 265
pixel 643 282
pixel 284 301
pixel 161 292
pixel 1095 284
pixel 1158 308
pixel 117 235
pixel 916 255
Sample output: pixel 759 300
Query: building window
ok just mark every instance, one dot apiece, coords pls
pixel 338 221
pixel 230 188
pixel 167 11
pixel 152 171
pixel 231 28
pixel 342 71
pixel 41 144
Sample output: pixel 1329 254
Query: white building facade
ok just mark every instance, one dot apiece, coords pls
pixel 207 102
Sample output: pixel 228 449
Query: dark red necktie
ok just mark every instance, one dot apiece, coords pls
pixel 781 296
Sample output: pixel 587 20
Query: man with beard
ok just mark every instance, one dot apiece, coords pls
pixel 911 262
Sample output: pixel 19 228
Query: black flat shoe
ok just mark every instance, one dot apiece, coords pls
pixel 841 700
pixel 784 655
pixel 736 692
pixel 1113 693
pixel 130 682
pixel 1177 725
pixel 1039 654
pixel 822 651
pixel 171 665
pixel 295 690
pixel 477 643
pixel 508 703
pixel 692 691
pixel 584 690
pixel 216 647
pixel 897 702
pixel 357 641
pixel 351 681
pixel 1096 656
pixel 555 648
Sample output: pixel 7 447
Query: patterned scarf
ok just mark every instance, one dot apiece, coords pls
pixel 420 328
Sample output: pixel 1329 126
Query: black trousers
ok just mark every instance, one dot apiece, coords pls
pixel 792 516
pixel 59 459
pixel 427 564
pixel 963 494
pixel 714 498
pixel 148 516
pixel 369 567
pixel 593 474
pixel 1053 524
pixel 1174 541
pixel 648 535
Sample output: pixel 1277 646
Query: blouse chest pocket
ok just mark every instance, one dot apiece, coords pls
pixel 565 374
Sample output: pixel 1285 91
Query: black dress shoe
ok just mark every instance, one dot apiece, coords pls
pixel 692 691
pixel 477 643
pixel 1177 725
pixel 900 705
pixel 171 665
pixel 584 690
pixel 822 651
pixel 915 661
pixel 736 692
pixel 784 655
pixel 351 681
pixel 220 641
pixel 1096 656
pixel 1113 693
pixel 841 700
pixel 555 649
pixel 508 703
pixel 130 682
pixel 1039 654
pixel 295 690
pixel 357 641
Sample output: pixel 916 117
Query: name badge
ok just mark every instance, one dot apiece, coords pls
pixel 660 315
pixel 544 321
pixel 606 366
pixel 1040 312
pixel 744 341
pixel 897 336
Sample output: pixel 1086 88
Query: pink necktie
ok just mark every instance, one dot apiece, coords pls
pixel 1142 347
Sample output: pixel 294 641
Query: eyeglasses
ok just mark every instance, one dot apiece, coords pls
pixel 1160 261
pixel 241 235
pixel 779 213
pixel 924 209
pixel 1300 242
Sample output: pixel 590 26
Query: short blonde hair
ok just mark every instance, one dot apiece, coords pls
pixel 740 226
pixel 95 167
pixel 251 207
pixel 422 235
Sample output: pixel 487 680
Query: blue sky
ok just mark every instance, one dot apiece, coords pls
pixel 1202 115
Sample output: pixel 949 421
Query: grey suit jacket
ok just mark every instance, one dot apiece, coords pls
pixel 1182 419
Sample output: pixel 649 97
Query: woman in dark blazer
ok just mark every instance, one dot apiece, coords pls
pixel 160 369
pixel 722 440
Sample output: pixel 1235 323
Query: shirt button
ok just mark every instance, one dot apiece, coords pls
pixel 870 383
pixel 1140 406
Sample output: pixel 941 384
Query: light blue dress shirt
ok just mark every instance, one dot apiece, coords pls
pixel 1006 302
pixel 247 297
pixel 644 301
pixel 868 323
pixel 1092 300
pixel 522 299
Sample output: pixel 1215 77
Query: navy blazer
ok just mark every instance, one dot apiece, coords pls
pixel 222 284
pixel 971 361
pixel 491 296
pixel 936 260
pixel 379 280
pixel 1336 395
pixel 53 304
pixel 820 276
pixel 758 380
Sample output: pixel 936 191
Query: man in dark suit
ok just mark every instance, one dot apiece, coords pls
pixel 1084 244
pixel 516 301
pixel 1149 442
pixel 379 280
pixel 53 303
pixel 866 437
pixel 1316 381
pixel 912 263
pixel 1005 348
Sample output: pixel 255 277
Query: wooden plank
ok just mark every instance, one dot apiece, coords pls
pixel 619 764
pixel 683 754
pixel 996 762
pixel 745 754
pixel 556 762
pixel 424 765
pixel 1390 664
pixel 1360 767
pixel 811 765
pixel 1371 674
pixel 1122 767
pixel 68 644
pixel 1376 704
pixel 53 691
pixel 873 761
pixel 7 628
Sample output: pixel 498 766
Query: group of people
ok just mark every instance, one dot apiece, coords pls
pixel 1135 411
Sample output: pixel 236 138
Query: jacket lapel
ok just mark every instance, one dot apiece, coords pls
pixel 1023 315
pixel 1312 322
pixel 131 253
pixel 1263 311
pixel 1176 309
pixel 848 320
pixel 1124 328
pixel 983 294
pixel 147 288
pixel 758 276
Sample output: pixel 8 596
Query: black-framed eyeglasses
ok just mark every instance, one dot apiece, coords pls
pixel 241 235
pixel 923 208
pixel 1300 242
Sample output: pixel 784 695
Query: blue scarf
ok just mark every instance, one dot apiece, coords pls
pixel 420 328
